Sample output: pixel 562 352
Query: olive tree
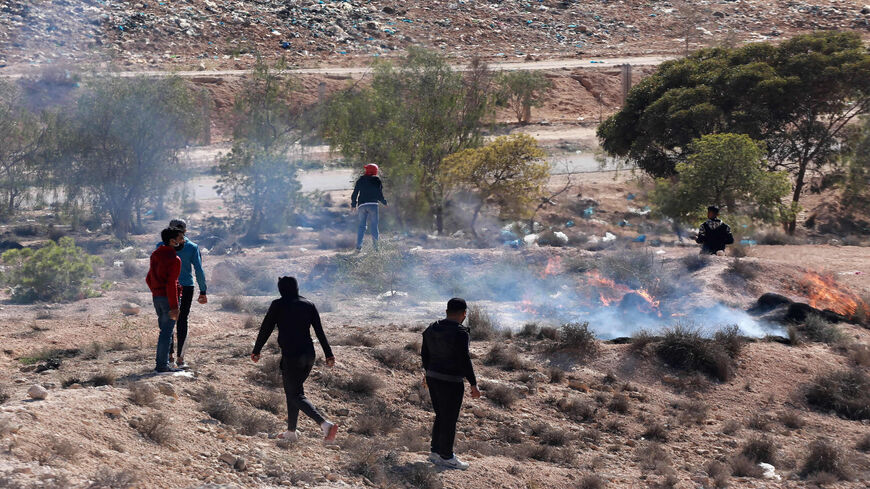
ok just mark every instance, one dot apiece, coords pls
pixel 521 90
pixel 23 141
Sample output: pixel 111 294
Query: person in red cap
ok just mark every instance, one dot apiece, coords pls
pixel 367 193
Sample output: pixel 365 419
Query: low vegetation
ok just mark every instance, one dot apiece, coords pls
pixel 481 325
pixel 155 427
pixel 824 457
pixel 57 272
pixel 845 392
pixel 684 348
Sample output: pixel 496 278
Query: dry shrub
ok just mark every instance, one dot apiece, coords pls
pixel 217 405
pixel 792 420
pixel 864 444
pixel 576 408
pixel 759 422
pixel 742 269
pixel 481 324
pixel 825 457
pixel 577 338
pixel 131 269
pixel 546 453
pixel 683 347
pixel 235 303
pixel 92 351
pixel 548 333
pixel 859 355
pixel 719 473
pixel 759 450
pixel 652 456
pixel 656 432
pixel 693 411
pixel 268 373
pixel 556 375
pixel 4 396
pixel 639 341
pixel 509 433
pixel 506 358
pixel 271 402
pixel 694 262
pixel 619 404
pixel 590 481
pixel 776 237
pixel 252 422
pixel 845 392
pixel 107 478
pixel 250 323
pixel 816 328
pixel 155 427
pixel 367 459
pixel 358 339
pixel 363 384
pixel 394 358
pixel 414 347
pixel 418 475
pixel 329 240
pixel 378 418
pixel 413 439
pixel 500 394
pixel 549 435
pixel 743 466
pixel 143 394
pixel 729 339
pixel 106 377
pixel 529 330
pixel 731 426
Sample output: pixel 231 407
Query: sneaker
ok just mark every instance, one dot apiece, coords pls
pixel 182 365
pixel 434 457
pixel 453 463
pixel 166 370
pixel 329 430
pixel 289 436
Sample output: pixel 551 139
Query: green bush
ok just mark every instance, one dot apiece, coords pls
pixel 60 271
pixel 385 270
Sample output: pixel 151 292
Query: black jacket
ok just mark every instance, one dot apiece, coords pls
pixel 368 190
pixel 294 316
pixel 714 235
pixel 445 352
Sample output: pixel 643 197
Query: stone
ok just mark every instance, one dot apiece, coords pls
pixel 342 412
pixel 240 464
pixel 75 386
pixel 167 389
pixel 37 392
pixel 130 309
pixel 228 458
pixel 112 411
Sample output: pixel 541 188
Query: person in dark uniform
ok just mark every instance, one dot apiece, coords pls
pixel 714 234
pixel 294 316
pixel 447 364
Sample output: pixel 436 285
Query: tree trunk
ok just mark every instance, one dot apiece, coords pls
pixel 439 218
pixel 474 219
pixel 791 226
pixel 527 112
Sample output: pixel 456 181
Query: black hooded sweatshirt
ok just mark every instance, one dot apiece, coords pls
pixel 294 315
pixel 368 190
pixel 714 235
pixel 445 352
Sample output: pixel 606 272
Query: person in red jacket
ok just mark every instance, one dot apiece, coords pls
pixel 162 279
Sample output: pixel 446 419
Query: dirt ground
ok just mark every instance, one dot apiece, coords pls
pixel 89 435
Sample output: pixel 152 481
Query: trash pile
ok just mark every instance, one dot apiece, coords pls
pixel 227 33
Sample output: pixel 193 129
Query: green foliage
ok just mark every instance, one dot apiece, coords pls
pixel 727 170
pixel 257 179
pixel 797 96
pixel 57 272
pixel 510 170
pixel 856 188
pixel 120 143
pixel 23 141
pixel 414 114
pixel 521 90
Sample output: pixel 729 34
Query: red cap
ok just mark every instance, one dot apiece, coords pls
pixel 371 169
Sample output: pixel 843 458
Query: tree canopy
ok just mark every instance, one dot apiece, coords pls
pixel 521 90
pixel 797 97
pixel 727 170
pixel 510 171
pixel 415 112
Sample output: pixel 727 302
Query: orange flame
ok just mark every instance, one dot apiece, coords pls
pixel 554 266
pixel 824 293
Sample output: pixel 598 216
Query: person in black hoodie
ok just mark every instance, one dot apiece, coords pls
pixel 714 234
pixel 294 315
pixel 367 192
pixel 447 363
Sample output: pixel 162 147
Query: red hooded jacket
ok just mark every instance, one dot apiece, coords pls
pixel 163 274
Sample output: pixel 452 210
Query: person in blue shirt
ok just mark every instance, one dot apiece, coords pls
pixel 191 263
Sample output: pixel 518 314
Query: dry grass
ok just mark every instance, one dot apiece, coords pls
pixel 576 408
pixel 548 435
pixel 683 347
pixel 106 478
pixel 556 375
pixel 824 457
pixel 859 355
pixel 500 394
pixel 358 339
pixel 743 466
pixel 693 411
pixel 93 351
pixel 155 427
pixel 395 358
pixel 578 339
pixel 482 326
pixel 143 394
pixel 742 269
pixel 506 358
pixel 106 377
pixel 270 401
pixel 529 330
pixel 363 384
pixel 792 420
pixel 731 426
pixel 693 262
pixel 758 421
pixel 545 453
pixel 652 456
pixel 864 444
pixel 268 373
pixel 619 404
pixel 845 392
pixel 656 432
pixel 378 418
pixel 590 481
pixel 719 473
pixel 4 395
pixel 759 450
pixel 816 328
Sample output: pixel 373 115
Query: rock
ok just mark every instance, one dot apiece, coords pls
pixel 75 386
pixel 240 464
pixel 130 309
pixel 37 392
pixel 342 412
pixel 112 411
pixel 769 472
pixel 865 10
pixel 577 385
pixel 228 458
pixel 167 389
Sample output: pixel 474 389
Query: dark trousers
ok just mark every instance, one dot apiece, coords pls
pixel 294 371
pixel 181 324
pixel 446 401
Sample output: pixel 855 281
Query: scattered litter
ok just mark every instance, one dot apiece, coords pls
pixel 769 472
pixel 458 234
pixel 561 237
pixel 623 223
pixel 660 252
pixel 641 212
pixel 852 272
pixel 640 239
pixel 125 250
pixel 417 248
pixel 588 212
pixel 392 294
pixel 303 228
pixel 630 197
pixel 530 239
pixel 569 224
pixel 608 237
pixel 118 263
pixel 748 242
pixel 514 244
pixel 303 249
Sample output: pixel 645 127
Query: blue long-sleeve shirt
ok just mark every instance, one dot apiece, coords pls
pixel 191 262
